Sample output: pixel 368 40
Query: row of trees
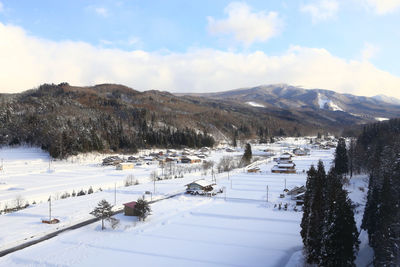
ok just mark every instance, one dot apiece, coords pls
pixel 328 228
pixel 377 152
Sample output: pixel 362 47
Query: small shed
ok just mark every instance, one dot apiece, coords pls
pixel 125 166
pixel 129 208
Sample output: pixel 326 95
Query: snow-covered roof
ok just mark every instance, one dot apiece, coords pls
pixel 126 163
pixel 130 204
pixel 286 165
pixel 201 182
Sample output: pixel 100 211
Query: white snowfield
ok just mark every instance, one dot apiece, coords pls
pixel 255 104
pixel 236 228
pixel 324 103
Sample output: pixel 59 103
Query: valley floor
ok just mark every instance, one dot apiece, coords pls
pixel 239 228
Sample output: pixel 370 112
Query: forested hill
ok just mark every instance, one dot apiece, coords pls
pixel 64 120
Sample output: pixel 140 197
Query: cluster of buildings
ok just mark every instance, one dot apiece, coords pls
pixel 186 156
pixel 284 164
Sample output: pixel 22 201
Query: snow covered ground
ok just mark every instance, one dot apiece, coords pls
pixel 239 228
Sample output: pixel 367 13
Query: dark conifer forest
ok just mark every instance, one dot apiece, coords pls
pixel 378 154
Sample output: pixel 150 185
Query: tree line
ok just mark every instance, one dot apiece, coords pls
pixel 377 152
pixel 328 228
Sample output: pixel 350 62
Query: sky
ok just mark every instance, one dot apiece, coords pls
pixel 349 46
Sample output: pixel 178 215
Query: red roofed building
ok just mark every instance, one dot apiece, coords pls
pixel 129 208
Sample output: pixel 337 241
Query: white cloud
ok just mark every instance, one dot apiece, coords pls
pixel 246 26
pixel 321 10
pixel 27 62
pixel 130 42
pixel 369 51
pixel 382 7
pixel 101 11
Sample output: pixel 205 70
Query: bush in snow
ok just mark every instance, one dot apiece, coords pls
pixel 90 191
pixel 81 193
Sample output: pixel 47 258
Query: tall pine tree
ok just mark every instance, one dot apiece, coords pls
pixel 340 238
pixel 305 221
pixel 313 218
pixel 341 159
pixel 246 159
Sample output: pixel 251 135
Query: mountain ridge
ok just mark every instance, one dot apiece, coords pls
pixel 65 119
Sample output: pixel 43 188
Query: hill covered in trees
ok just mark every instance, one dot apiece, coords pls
pixel 65 119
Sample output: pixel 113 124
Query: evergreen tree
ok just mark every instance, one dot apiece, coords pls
pixel 234 142
pixel 340 240
pixel 386 237
pixel 311 178
pixel 142 209
pixel 341 159
pixel 351 156
pixel 312 224
pixel 246 159
pixel 103 211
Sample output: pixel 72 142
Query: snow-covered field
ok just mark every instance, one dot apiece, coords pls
pixel 239 228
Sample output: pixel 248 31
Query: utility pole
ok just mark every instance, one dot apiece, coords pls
pixel 50 208
pixel 231 184
pixel 285 183
pixel 115 194
pixel 267 193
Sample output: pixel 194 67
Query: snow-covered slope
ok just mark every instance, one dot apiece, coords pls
pixel 326 103
pixel 381 119
pixel 254 104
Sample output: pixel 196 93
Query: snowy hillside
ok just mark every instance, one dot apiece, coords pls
pixel 325 103
pixel 254 104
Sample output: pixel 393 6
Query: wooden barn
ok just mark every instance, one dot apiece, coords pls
pixel 129 208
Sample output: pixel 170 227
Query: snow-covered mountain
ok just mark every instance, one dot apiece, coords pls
pixel 326 104
pixel 387 99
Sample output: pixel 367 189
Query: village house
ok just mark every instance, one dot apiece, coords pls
pixel 299 199
pixel 301 151
pixel 199 187
pixel 297 190
pixel 187 159
pixel 124 166
pixel 285 164
pixel 129 208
